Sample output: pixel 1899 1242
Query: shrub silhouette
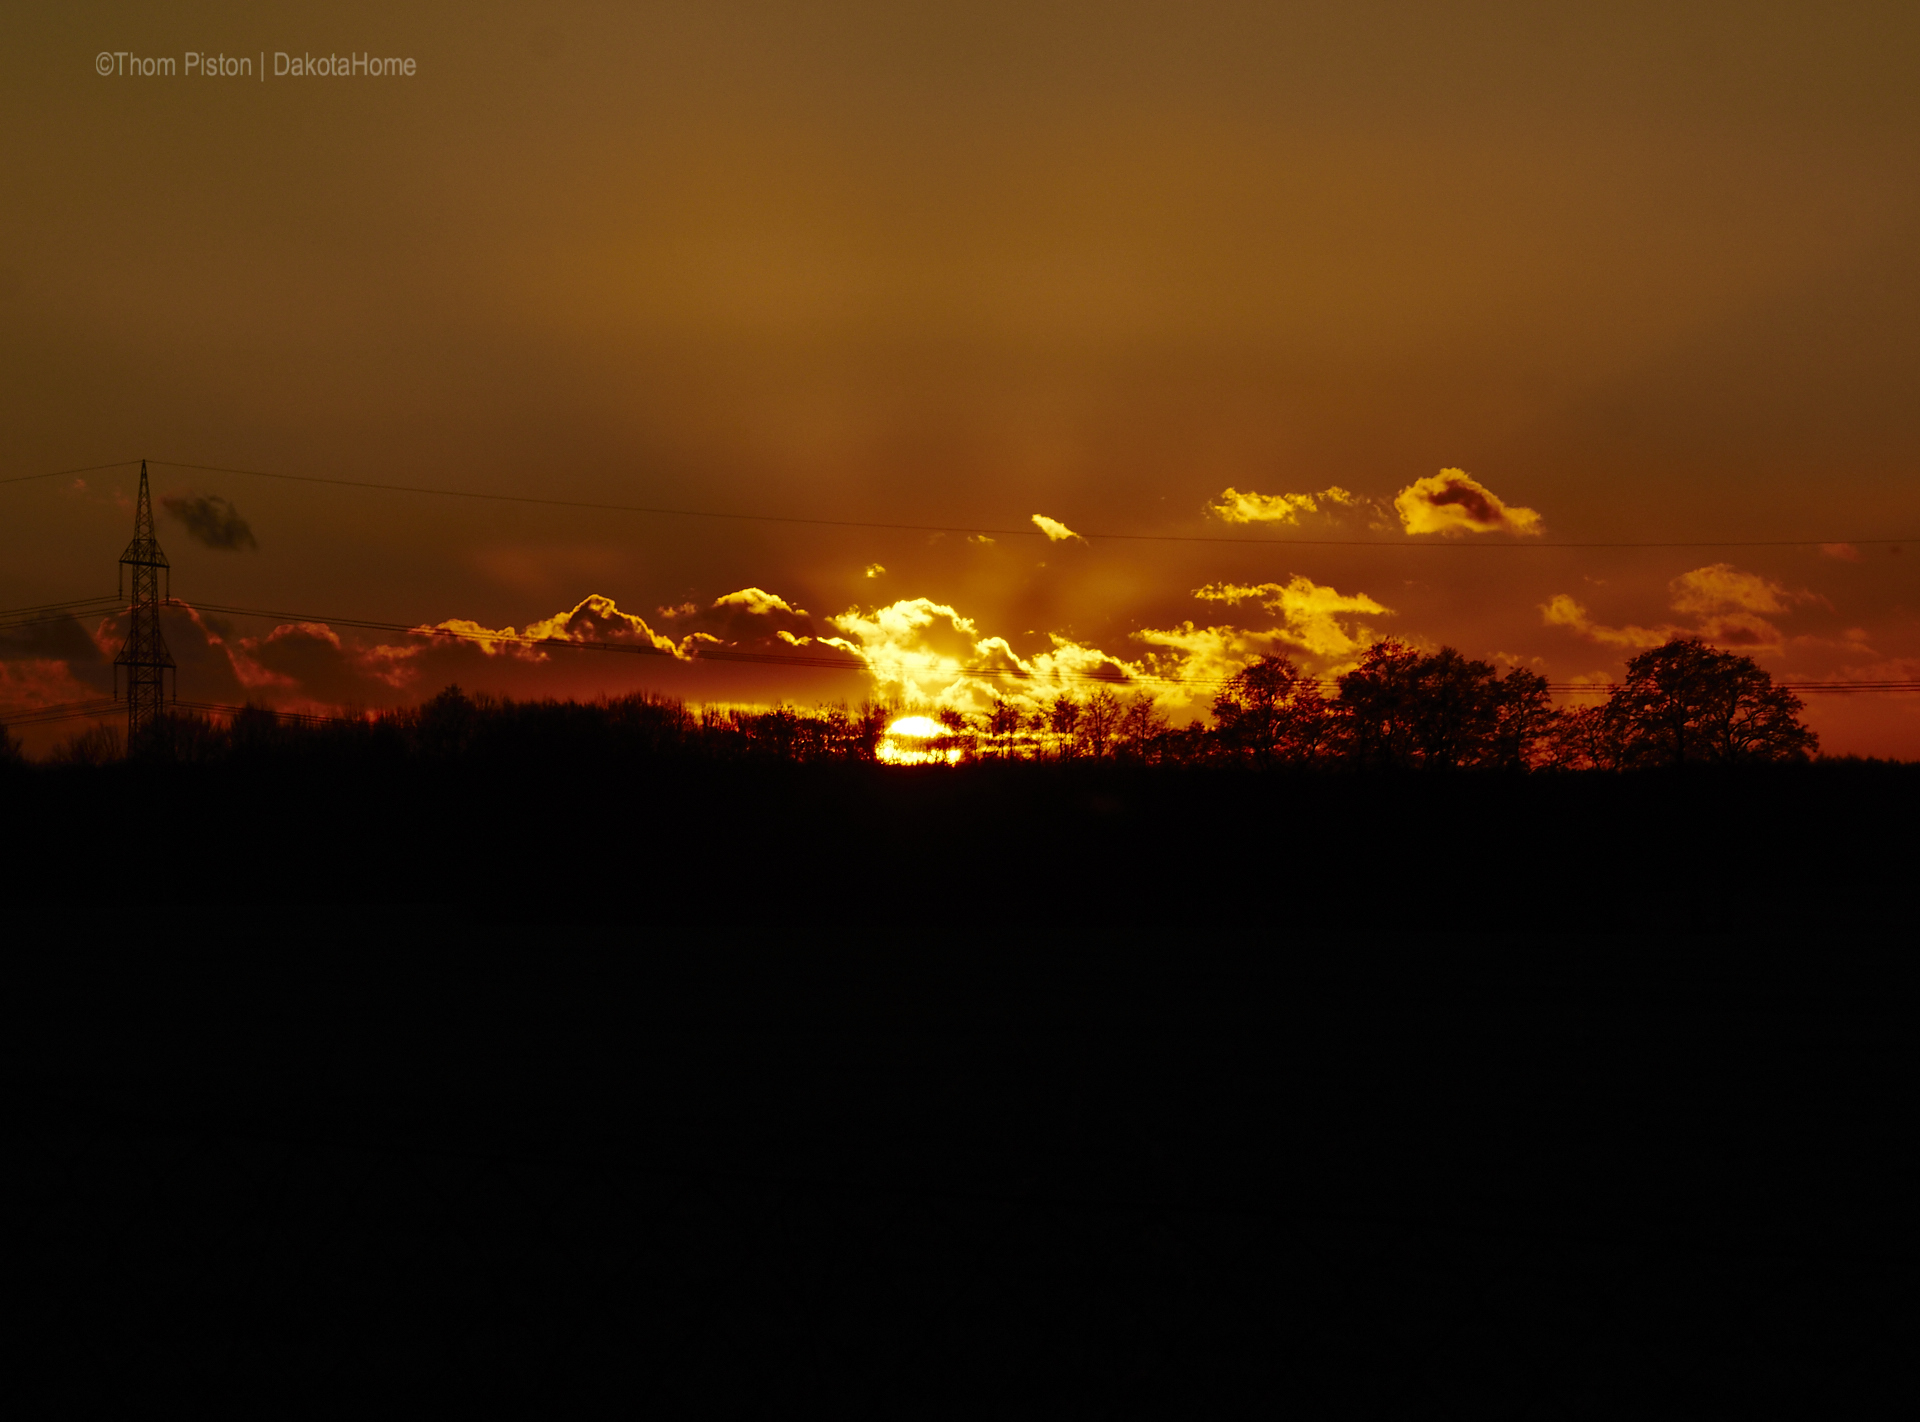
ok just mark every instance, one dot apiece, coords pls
pixel 98 745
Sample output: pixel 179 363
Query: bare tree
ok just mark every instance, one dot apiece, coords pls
pixel 959 733
pixel 1003 723
pixel 1140 727
pixel 870 726
pixel 1099 720
pixel 1063 720
pixel 95 746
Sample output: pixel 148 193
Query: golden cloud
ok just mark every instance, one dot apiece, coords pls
pixel 1317 618
pixel 1728 607
pixel 1208 656
pixel 916 650
pixel 1056 531
pixel 758 602
pixel 921 652
pixel 1563 611
pixel 747 618
pixel 1721 588
pixel 1453 501
pixel 593 619
pixel 1235 507
pixel 494 641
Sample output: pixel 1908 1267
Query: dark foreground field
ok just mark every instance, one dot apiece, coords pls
pixel 711 849
pixel 723 1093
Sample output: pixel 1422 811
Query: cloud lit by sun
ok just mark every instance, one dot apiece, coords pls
pixel 1453 501
pixel 1235 507
pixel 1728 607
pixel 1056 531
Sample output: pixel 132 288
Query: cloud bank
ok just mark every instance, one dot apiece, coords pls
pixel 1728 608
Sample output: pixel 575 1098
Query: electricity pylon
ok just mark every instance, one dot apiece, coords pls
pixel 145 656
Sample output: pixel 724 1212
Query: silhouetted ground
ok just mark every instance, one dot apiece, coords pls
pixel 1015 847
pixel 722 1092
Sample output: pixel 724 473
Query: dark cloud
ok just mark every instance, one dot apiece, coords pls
pixel 201 657
pixel 314 663
pixel 211 521
pixel 748 618
pixel 64 641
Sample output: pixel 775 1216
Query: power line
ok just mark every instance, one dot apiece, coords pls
pixel 114 706
pixel 58 473
pixel 305 718
pixel 1021 532
pixel 66 711
pixel 59 612
pixel 56 606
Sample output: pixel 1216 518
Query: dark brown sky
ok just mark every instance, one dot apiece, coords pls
pixel 1649 271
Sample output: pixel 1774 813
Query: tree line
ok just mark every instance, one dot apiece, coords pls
pixel 1683 703
pixel 1399 709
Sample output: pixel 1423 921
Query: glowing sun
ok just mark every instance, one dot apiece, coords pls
pixel 917 740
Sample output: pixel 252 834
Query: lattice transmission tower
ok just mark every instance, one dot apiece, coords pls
pixel 145 656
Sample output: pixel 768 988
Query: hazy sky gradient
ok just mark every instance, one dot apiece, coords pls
pixel 1648 270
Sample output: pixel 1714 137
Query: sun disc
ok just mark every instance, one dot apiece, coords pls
pixel 916 728
pixel 917 740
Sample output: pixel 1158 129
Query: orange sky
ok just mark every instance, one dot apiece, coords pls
pixel 1646 273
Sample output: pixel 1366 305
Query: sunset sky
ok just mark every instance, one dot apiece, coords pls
pixel 1405 299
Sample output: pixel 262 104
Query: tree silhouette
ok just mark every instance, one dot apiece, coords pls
pixel 1686 702
pixel 1063 720
pixel 1271 713
pixel 1377 703
pixel 1524 721
pixel 99 745
pixel 1099 720
pixel 1141 726
pixel 1679 704
pixel 1451 710
pixel 959 734
pixel 448 724
pixel 868 729
pixel 1442 712
pixel 1003 723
